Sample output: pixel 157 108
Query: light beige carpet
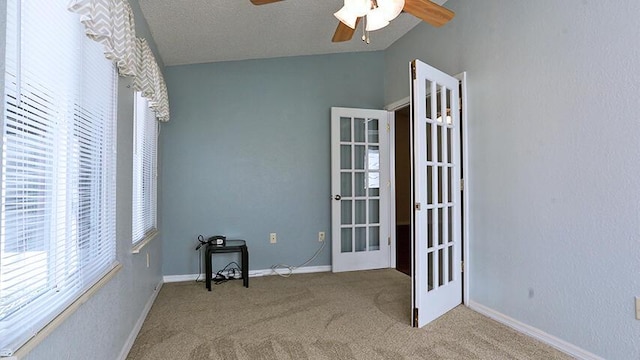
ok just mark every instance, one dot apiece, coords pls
pixel 357 315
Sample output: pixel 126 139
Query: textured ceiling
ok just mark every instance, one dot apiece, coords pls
pixel 200 31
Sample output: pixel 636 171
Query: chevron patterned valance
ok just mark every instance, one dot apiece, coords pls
pixel 150 81
pixel 111 23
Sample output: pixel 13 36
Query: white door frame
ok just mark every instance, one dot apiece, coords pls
pixel 396 105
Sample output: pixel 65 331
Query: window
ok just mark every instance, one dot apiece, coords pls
pixel 57 221
pixel 144 171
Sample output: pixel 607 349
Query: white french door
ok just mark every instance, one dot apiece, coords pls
pixel 360 189
pixel 437 245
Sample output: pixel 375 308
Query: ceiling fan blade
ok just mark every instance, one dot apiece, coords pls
pixel 263 2
pixel 428 11
pixel 343 32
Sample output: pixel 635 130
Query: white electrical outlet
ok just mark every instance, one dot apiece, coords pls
pixel 321 236
pixel 638 307
pixel 273 238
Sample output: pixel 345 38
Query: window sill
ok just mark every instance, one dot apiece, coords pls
pixel 31 344
pixel 147 239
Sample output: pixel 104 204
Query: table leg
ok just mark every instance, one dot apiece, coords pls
pixel 207 266
pixel 245 266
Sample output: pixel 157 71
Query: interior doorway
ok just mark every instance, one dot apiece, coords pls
pixel 403 200
pixel 401 153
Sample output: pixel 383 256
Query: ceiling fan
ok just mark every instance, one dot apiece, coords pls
pixel 353 11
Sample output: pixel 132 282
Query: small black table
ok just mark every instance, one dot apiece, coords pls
pixel 230 246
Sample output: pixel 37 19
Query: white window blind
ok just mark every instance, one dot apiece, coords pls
pixel 144 170
pixel 57 228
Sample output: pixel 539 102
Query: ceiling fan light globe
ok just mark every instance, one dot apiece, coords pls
pixel 391 8
pixel 376 20
pixel 346 17
pixel 358 8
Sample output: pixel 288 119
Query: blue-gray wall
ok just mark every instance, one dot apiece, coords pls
pixel 101 327
pixel 554 142
pixel 553 137
pixel 247 153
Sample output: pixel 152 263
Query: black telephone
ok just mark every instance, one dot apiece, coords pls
pixel 216 240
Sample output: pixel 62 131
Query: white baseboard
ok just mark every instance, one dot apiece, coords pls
pixel 181 278
pixel 533 332
pixel 300 270
pixel 136 329
pixel 252 273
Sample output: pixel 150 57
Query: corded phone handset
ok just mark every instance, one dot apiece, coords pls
pixel 216 240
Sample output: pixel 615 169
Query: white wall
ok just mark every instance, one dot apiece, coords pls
pixel 554 151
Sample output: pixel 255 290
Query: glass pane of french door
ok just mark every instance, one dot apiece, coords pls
pixel 440 184
pixel 360 184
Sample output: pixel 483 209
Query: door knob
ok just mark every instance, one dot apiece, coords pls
pixel 337 197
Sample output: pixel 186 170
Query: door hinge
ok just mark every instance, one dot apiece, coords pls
pixel 461 184
pixel 413 69
pixel 388 127
pixel 415 317
pixel 418 206
pixel 389 243
pixel 462 266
